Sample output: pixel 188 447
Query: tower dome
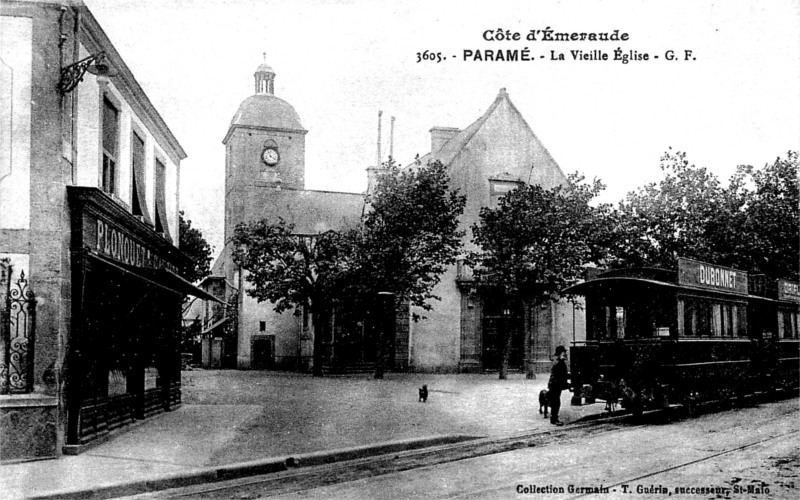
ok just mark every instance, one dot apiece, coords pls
pixel 263 109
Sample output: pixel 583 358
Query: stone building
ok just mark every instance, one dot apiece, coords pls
pixel 485 160
pixel 265 178
pixel 89 295
pixel 265 168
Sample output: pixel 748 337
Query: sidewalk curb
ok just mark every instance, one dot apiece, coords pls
pixel 253 468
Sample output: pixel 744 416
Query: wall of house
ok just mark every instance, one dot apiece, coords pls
pixel 16 73
pixel 504 147
pixel 285 327
pixel 435 341
pixel 89 158
pixel 33 215
pixel 16 52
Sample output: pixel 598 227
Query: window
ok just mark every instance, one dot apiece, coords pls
pixel 161 220
pixel 138 192
pixel 697 318
pixel 713 319
pixel 262 326
pixel 498 189
pixel 110 144
pixel 787 325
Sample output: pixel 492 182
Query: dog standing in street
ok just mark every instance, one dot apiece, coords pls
pixel 544 403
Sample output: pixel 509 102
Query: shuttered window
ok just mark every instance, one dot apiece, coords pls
pixel 110 138
pixel 161 218
pixel 138 188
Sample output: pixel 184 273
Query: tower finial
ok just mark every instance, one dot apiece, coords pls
pixel 265 78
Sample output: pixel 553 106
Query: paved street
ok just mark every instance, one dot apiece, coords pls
pixel 230 417
pixel 289 413
pixel 737 454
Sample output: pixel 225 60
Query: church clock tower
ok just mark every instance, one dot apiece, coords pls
pixel 264 150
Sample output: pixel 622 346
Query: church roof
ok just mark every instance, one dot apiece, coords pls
pixel 311 212
pixel 266 68
pixel 267 111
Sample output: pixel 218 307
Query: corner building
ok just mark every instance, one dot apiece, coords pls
pixel 90 296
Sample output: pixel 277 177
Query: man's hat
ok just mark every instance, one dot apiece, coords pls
pixel 560 349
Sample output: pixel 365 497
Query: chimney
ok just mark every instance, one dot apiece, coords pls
pixel 440 136
pixel 372 178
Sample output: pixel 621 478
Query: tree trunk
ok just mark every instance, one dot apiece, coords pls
pixel 316 330
pixel 506 348
pixel 385 322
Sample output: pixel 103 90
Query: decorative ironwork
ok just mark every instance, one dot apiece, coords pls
pixel 73 74
pixel 16 333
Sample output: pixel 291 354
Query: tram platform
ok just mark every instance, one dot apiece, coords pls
pixel 235 423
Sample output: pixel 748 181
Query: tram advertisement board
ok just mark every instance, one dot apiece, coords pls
pixel 712 277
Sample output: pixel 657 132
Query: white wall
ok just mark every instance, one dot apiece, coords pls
pixel 90 160
pixel 16 57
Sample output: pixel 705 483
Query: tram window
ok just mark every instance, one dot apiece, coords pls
pixel 697 318
pixel 740 315
pixel 716 320
pixel 703 318
pixel 689 318
pixel 787 325
pixel 620 321
pixel 727 318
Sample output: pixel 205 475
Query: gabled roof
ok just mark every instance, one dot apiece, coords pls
pixel 452 148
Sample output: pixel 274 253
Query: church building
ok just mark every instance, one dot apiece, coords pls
pixel 265 167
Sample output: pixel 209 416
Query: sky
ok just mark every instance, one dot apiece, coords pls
pixel 734 101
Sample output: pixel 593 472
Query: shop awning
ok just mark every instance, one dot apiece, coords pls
pixel 162 278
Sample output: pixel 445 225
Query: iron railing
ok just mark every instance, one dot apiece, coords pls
pixel 17 327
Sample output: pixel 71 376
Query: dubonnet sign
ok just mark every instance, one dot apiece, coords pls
pixel 711 277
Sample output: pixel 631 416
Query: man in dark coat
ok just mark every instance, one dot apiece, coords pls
pixel 559 380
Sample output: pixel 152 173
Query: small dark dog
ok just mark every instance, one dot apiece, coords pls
pixel 423 394
pixel 544 403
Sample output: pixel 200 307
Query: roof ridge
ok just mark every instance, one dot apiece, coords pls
pixel 469 132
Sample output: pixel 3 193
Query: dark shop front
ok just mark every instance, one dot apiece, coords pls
pixel 124 359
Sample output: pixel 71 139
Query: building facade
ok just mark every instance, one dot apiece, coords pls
pixel 89 289
pixel 490 157
pixel 265 166
pixel 265 179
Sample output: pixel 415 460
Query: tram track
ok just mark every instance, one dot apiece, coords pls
pixel 689 463
pixel 298 479
pixel 301 478
pixel 304 478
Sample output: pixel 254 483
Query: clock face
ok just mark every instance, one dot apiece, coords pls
pixel 270 156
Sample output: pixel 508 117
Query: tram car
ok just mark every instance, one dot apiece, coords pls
pixel 657 337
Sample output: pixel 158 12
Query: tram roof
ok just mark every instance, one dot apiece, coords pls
pixel 629 284
pixel 607 283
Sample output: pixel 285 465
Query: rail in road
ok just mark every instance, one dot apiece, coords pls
pixel 306 478
pixel 712 456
